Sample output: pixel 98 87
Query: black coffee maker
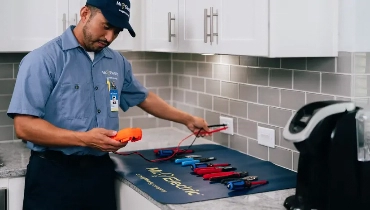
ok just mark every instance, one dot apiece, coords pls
pixel 329 175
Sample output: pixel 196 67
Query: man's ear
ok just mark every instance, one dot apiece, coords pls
pixel 85 14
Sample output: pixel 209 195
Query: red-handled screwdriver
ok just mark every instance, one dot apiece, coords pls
pixel 217 177
pixel 210 170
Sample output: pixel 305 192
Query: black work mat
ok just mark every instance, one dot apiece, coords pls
pixel 170 183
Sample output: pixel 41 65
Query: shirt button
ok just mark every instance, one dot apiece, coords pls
pixel 99 111
pixel 96 88
pixel 76 87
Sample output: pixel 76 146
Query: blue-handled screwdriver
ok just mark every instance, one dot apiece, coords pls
pixel 243 184
pixel 191 162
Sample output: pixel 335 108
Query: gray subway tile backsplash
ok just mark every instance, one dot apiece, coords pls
pixel 254 91
pixel 321 64
pixel 308 81
pixel 281 78
pixel 294 63
pixel 221 71
pixel 230 90
pixel 7 133
pixel 6 71
pixel 336 84
pixel 269 96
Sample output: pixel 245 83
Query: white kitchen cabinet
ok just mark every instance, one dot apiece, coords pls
pixel 26 26
pixel 161 19
pixel 270 28
pixel 234 27
pixel 129 199
pixel 16 193
pixel 194 26
pixel 15 188
pixel 354 30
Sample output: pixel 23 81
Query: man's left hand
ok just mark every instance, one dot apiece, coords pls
pixel 197 123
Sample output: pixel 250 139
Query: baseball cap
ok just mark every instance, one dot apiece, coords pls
pixel 117 12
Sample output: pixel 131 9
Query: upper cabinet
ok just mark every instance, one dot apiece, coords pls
pixel 289 28
pixel 25 26
pixel 162 23
pixel 267 28
pixel 354 30
pixel 224 26
pixel 28 27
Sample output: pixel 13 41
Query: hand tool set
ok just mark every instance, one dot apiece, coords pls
pixel 222 173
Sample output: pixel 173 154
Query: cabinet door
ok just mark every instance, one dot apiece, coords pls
pixel 25 26
pixel 195 25
pixel 129 199
pixel 16 193
pixel 242 27
pixel 162 19
pixel 124 41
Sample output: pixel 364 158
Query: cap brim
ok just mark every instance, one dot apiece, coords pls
pixel 117 21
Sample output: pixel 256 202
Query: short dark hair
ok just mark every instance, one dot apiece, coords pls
pixel 93 10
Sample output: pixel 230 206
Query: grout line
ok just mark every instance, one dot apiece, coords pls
pixel 294 90
pixel 302 70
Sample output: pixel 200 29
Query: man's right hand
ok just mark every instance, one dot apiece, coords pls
pixel 99 138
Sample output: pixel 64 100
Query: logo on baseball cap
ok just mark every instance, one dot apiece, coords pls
pixel 117 12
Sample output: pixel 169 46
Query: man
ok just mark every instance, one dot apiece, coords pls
pixel 62 107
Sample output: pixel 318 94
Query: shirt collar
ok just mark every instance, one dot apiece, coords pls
pixel 69 41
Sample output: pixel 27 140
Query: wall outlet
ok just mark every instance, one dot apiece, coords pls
pixel 266 136
pixel 229 123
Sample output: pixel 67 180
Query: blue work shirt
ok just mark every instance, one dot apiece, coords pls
pixel 59 83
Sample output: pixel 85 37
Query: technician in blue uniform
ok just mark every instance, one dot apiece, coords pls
pixel 63 107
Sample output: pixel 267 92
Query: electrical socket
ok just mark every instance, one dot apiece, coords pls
pixel 266 136
pixel 229 123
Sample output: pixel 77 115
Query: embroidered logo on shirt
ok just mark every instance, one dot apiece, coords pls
pixel 110 73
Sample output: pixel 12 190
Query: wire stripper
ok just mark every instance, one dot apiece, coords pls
pixel 128 134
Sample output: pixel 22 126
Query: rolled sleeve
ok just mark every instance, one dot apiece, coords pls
pixel 133 92
pixel 32 87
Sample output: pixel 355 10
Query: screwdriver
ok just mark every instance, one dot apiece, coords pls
pixel 188 158
pixel 203 171
pixel 243 184
pixel 191 162
pixel 205 165
pixel 248 178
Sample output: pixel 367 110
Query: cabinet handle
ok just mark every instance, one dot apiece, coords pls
pixel 213 15
pixel 64 21
pixel 205 25
pixel 76 18
pixel 170 34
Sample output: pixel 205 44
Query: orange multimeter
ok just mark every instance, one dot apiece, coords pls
pixel 128 134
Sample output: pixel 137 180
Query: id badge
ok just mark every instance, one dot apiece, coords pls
pixel 113 96
pixel 113 100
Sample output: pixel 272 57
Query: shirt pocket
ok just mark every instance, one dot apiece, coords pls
pixel 77 100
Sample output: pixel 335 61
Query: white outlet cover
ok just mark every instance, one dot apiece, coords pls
pixel 266 136
pixel 230 125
